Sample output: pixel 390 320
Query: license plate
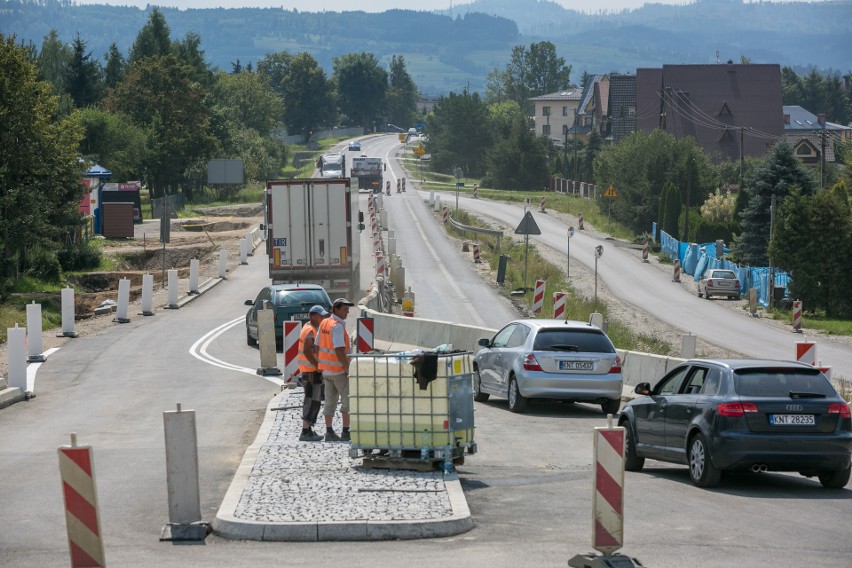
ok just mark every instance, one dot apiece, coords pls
pixel 576 365
pixel 791 419
pixel 300 316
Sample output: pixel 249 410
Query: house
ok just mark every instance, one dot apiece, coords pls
pixel 732 110
pixel 811 135
pixel 592 110
pixel 556 113
pixel 620 119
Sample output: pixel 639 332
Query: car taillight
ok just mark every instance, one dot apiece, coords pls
pixel 839 408
pixel 735 408
pixel 737 284
pixel 530 364
pixel 617 367
pixel 709 283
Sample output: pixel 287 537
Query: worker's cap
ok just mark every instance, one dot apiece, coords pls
pixel 342 302
pixel 318 310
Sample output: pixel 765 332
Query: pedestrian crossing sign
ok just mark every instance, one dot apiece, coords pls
pixel 610 192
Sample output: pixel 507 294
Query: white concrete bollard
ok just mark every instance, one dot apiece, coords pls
pixel 173 289
pixel 223 263
pixel 437 203
pixel 383 219
pixel 249 244
pixel 431 198
pixel 182 481
pixel 193 276
pixel 147 294
pixel 34 343
pixel 391 245
pixel 687 346
pixel 266 341
pixel 244 251
pixel 123 301
pixel 68 312
pixel 16 339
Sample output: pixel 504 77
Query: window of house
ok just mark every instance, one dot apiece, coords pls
pixel 564 129
pixel 545 129
pixel 588 121
pixel 545 111
pixel 565 111
pixel 803 150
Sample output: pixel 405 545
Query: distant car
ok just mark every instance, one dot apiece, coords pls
pixel 550 359
pixel 719 282
pixel 290 301
pixel 355 146
pixel 724 414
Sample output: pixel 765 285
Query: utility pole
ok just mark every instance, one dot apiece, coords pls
pixel 742 157
pixel 822 158
pixel 575 145
pixel 688 191
pixel 565 154
pixel 771 301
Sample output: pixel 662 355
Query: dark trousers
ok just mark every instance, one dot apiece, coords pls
pixel 313 393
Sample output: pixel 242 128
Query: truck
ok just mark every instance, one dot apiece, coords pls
pixel 333 165
pixel 369 173
pixel 312 236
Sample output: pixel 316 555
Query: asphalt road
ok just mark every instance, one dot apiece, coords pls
pixel 528 488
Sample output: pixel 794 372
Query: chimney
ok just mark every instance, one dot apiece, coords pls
pixel 821 118
pixel 786 119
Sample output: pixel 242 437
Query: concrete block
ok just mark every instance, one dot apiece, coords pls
pixel 342 531
pixel 291 532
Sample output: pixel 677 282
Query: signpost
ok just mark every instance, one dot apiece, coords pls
pixel 526 228
pixel 568 253
pixel 598 254
pixel 611 194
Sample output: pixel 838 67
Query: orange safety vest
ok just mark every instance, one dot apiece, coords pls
pixel 305 365
pixel 327 357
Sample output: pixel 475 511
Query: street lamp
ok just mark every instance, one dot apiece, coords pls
pixel 395 126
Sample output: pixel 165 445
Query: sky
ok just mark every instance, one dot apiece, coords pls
pixel 365 5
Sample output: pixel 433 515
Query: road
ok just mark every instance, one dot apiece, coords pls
pixel 528 488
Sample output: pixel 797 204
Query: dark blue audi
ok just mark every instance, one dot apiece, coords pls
pixel 757 415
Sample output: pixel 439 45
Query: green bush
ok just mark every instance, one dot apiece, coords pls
pixel 82 256
pixel 43 264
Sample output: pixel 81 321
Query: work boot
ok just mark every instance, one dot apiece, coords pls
pixel 310 436
pixel 330 436
pixel 345 436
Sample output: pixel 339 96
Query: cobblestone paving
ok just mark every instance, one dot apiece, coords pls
pixel 295 481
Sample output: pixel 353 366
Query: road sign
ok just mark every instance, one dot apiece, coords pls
pixel 402 138
pixel 599 251
pixel 610 192
pixel 460 184
pixel 570 232
pixel 420 150
pixel 528 226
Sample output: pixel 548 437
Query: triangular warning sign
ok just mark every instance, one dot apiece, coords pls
pixel 528 226
pixel 610 191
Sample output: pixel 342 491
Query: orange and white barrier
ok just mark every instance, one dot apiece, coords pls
pixel 608 497
pixel 538 296
pixel 559 299
pixel 365 335
pixel 292 330
pixel 676 271
pixel 82 519
pixel 806 352
pixel 797 316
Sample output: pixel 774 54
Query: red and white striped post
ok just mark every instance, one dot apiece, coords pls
pixel 676 271
pixel 645 248
pixel 608 497
pixel 380 265
pixel 541 204
pixel 797 316
pixel 82 519
pixel 445 214
pixel 806 352
pixel 559 299
pixel 292 330
pixel 580 221
pixel 365 335
pixel 538 296
pixel 476 253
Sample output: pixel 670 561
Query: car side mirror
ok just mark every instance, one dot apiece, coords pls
pixel 484 342
pixel 643 388
pixel 249 302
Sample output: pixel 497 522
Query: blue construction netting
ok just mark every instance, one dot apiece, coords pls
pixel 695 260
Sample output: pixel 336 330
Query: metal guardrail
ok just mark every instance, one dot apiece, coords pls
pixel 475 230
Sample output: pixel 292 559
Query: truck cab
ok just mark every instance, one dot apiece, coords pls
pixel 333 166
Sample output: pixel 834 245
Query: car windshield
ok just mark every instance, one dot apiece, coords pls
pixel 725 274
pixel 794 383
pixel 582 340
pixel 300 298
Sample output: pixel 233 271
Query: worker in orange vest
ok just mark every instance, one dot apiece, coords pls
pixel 333 360
pixel 311 376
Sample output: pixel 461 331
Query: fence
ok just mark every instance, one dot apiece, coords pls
pixel 475 230
pixel 568 186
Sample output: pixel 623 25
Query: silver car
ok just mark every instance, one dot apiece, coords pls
pixel 719 282
pixel 552 359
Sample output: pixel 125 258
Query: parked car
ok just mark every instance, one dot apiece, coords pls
pixel 290 301
pixel 355 146
pixel 758 415
pixel 551 359
pixel 719 282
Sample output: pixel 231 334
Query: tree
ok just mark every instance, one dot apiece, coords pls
pixel 719 207
pixel 158 92
pixel 779 172
pixel 308 96
pixel 83 76
pixel 362 87
pixel 517 161
pixel 670 206
pixel 114 141
pixel 115 67
pixel 248 100
pixel 533 71
pixel 189 53
pixel 153 39
pixel 40 187
pixel 502 116
pixel 53 59
pixel 274 67
pixel 459 133
pixel 401 95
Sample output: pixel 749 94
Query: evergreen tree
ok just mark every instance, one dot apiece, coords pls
pixel 459 133
pixel 517 161
pixel 670 206
pixel 83 76
pixel 402 94
pixel 779 172
pixel 115 67
pixel 153 39
pixel 362 87
pixel 189 53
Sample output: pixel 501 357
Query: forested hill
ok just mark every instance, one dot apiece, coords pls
pixel 445 52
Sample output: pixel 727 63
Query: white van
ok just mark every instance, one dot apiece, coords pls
pixel 333 166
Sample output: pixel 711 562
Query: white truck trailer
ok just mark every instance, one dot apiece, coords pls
pixel 368 171
pixel 312 234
